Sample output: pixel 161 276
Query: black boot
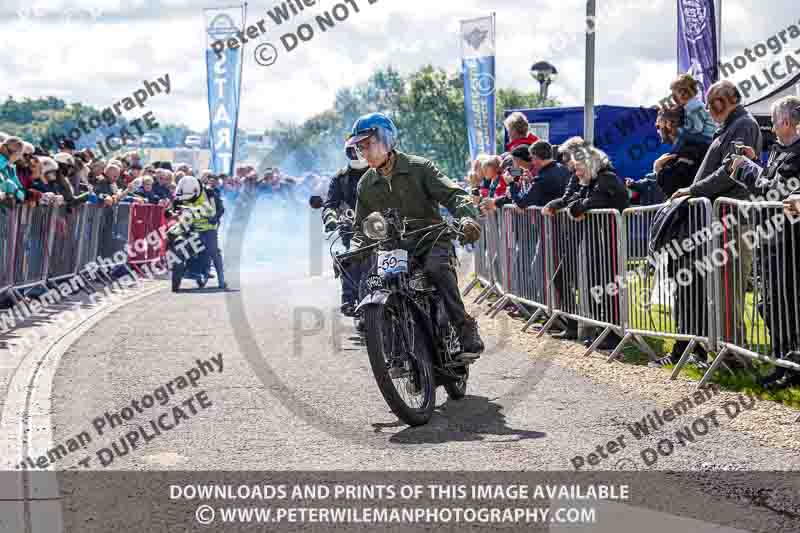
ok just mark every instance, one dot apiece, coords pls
pixel 471 342
pixel 610 342
pixel 774 379
pixel 348 309
pixel 780 378
pixel 699 358
pixel 569 334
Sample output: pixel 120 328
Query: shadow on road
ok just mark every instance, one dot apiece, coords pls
pixel 205 290
pixel 469 419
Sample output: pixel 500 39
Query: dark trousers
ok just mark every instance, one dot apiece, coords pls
pixel 438 265
pixel 596 254
pixel 212 253
pixel 780 310
pixel 351 278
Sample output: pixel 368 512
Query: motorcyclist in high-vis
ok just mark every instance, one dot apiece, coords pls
pixel 415 187
pixel 342 198
pixel 197 214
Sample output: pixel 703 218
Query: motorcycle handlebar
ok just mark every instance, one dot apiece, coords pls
pixel 365 249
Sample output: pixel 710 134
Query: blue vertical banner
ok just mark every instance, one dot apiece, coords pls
pixel 477 53
pixel 697 41
pixel 224 82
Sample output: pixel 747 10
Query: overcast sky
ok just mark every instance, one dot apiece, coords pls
pixel 98 52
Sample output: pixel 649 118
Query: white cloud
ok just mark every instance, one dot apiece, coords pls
pixel 100 61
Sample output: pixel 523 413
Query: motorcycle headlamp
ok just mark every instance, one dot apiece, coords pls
pixel 374 227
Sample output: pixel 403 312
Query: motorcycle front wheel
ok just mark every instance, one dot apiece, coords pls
pixel 396 341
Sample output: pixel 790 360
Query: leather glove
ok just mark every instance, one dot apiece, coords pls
pixel 471 229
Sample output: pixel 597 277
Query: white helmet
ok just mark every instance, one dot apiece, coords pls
pixel 64 158
pixel 48 164
pixel 354 159
pixel 188 189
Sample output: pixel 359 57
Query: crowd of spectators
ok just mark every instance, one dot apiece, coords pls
pixel 272 183
pixel 29 175
pixel 715 149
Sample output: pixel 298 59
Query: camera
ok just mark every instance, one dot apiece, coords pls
pixel 738 147
pixel 515 172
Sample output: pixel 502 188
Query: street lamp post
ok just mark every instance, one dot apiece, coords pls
pixel 545 74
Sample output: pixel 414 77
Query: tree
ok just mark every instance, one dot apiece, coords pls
pixel 427 107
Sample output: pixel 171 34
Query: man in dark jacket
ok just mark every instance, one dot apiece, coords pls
pixel 548 184
pixel 715 179
pixel 737 125
pixel 342 197
pixel 778 255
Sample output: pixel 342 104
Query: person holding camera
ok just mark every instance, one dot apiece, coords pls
pixel 779 181
pixel 341 198
pixel 548 184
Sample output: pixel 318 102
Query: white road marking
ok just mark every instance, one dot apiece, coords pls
pixel 27 408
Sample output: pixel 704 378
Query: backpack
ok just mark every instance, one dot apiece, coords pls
pixel 669 224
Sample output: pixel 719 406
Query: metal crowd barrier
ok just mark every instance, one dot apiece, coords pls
pixel 482 265
pixel 33 246
pixel 491 258
pixel 42 245
pixel 145 220
pixel 8 234
pixel 756 261
pixel 586 253
pixel 67 242
pixel 669 295
pixel 525 262
pixel 727 281
pixel 114 233
pixel 90 235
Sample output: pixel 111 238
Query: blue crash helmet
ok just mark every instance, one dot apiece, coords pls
pixel 376 124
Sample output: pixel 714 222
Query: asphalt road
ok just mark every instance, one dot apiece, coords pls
pixel 296 393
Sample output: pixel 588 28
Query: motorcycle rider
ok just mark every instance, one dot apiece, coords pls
pixel 341 197
pixel 198 212
pixel 416 187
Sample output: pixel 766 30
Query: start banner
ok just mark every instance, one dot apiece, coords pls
pixel 224 83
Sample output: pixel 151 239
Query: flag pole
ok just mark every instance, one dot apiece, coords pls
pixel 238 97
pixel 718 18
pixel 588 108
pixel 494 99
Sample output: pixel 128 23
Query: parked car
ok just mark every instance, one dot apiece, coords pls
pixel 152 139
pixel 193 141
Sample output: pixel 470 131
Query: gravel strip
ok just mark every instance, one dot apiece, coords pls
pixel 768 422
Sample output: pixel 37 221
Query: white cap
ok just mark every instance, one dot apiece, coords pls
pixel 48 164
pixel 64 158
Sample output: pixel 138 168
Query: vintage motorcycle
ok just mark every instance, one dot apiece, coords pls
pixel 411 342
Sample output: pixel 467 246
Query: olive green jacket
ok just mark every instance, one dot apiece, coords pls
pixel 417 188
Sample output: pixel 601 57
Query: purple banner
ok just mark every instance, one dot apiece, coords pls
pixel 697 41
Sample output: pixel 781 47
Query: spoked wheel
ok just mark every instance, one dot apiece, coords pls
pixel 401 362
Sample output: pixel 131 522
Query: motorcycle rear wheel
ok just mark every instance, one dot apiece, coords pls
pixel 384 334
